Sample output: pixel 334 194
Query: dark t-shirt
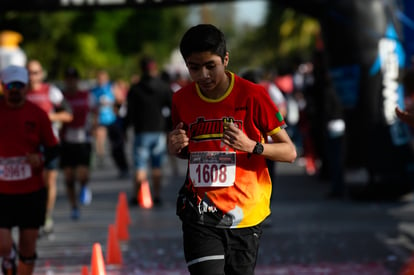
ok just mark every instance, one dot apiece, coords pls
pixel 149 102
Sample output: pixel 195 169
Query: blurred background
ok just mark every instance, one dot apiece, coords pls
pixel 67 35
pixel 360 49
pixel 342 67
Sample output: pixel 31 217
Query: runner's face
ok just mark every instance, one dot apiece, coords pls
pixel 208 71
pixel 15 93
pixel 35 72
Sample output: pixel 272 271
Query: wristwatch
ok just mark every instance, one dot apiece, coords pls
pixel 258 149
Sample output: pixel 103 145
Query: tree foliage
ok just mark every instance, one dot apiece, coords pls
pixel 285 36
pixel 114 40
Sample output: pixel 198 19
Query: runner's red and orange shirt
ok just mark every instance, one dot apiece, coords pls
pixel 225 188
pixel 22 131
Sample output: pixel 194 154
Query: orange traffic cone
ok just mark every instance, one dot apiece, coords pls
pixel 84 270
pixel 310 166
pixel 97 261
pixel 121 224
pixel 123 206
pixel 113 249
pixel 144 195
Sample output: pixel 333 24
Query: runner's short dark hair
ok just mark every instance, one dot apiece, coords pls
pixel 203 38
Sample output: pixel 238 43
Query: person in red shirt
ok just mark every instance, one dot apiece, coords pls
pixel 76 142
pixel 51 100
pixel 220 123
pixel 24 127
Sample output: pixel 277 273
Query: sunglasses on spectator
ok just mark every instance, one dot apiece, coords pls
pixel 15 86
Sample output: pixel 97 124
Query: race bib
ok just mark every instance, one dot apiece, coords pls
pixel 12 169
pixel 213 169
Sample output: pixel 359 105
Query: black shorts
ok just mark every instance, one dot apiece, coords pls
pixel 53 164
pixel 23 210
pixel 75 154
pixel 210 250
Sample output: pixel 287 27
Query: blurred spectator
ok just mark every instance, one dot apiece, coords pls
pixel 147 101
pixel 276 94
pixel 174 83
pixel 120 88
pixel 326 116
pixel 107 125
pixel 76 143
pixel 51 100
pixel 303 79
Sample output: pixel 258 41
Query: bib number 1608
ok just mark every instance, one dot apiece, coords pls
pixel 213 173
pixel 209 171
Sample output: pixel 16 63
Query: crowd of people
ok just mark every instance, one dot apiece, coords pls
pixel 272 118
pixel 68 129
pixel 306 98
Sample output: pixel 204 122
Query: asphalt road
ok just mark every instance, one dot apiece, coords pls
pixel 308 234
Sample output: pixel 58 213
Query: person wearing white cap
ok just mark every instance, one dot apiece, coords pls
pixel 24 127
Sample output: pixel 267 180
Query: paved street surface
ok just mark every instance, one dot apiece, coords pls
pixel 307 235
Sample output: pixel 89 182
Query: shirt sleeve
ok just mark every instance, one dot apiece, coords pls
pixel 55 95
pixel 48 137
pixel 267 114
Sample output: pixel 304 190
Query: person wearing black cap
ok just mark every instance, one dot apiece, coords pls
pixel 24 128
pixel 76 142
